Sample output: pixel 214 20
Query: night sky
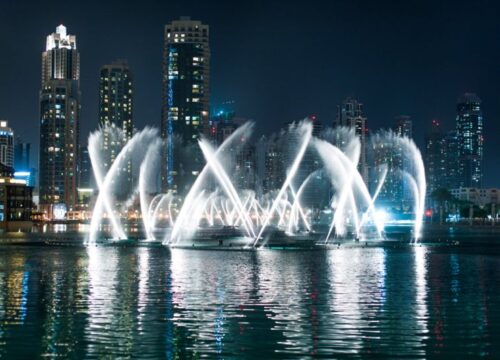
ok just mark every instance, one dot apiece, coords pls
pixel 278 60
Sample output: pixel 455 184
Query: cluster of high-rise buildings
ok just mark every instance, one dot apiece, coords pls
pixel 453 158
pixel 65 175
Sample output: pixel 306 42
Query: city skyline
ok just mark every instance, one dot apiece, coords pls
pixel 464 77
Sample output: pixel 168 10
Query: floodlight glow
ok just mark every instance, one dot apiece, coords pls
pixel 59 211
pixel 380 218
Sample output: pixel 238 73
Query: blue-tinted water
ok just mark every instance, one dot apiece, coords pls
pixel 104 302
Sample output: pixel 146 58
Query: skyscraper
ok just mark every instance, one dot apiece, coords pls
pixel 22 154
pixel 403 126
pixel 274 165
pixel 385 154
pixel 396 191
pixel 59 121
pixel 22 162
pixel 185 99
pixel 441 159
pixel 435 157
pixel 85 175
pixel 351 114
pixel 6 144
pixel 452 179
pixel 469 128
pixel 115 112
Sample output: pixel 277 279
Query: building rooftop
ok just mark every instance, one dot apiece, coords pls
pixel 60 39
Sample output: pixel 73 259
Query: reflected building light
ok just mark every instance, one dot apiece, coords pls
pixel 421 288
pixel 455 272
pixel 346 294
pixel 102 271
pixel 143 286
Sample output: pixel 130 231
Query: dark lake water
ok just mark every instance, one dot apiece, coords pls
pixel 105 302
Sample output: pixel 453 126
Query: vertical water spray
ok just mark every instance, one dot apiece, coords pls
pixel 147 171
pixel 280 206
pixel 94 148
pixel 307 129
pixel 105 189
pixel 188 204
pixel 227 186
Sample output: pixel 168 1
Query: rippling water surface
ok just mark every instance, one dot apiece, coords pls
pixel 413 302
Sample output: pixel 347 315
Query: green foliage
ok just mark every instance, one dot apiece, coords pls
pixel 442 195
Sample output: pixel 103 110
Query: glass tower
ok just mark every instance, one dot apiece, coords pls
pixel 115 112
pixel 185 100
pixel 469 132
pixel 351 114
pixel 59 121
pixel 6 144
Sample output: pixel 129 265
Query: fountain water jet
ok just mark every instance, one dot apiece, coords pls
pixel 188 204
pixel 104 197
pixel 306 128
pixel 223 203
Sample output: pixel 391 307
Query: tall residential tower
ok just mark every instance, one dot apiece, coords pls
pixel 350 114
pixel 6 144
pixel 403 126
pixel 441 159
pixel 185 100
pixel 59 121
pixel 115 116
pixel 469 132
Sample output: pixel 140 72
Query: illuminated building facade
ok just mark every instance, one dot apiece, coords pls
pixel 59 121
pixel 385 154
pixel 469 129
pixel 350 113
pixel 479 197
pixel 16 201
pixel 403 126
pixel 6 144
pixel 86 186
pixel 116 112
pixel 435 157
pixel 22 164
pixel 22 155
pixel 85 174
pixel 441 159
pixel 274 165
pixel 185 100
pixel 246 164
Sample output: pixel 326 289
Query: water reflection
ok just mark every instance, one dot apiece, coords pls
pixel 357 298
pixel 159 303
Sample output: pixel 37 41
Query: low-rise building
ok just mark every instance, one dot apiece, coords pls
pixel 16 202
pixel 479 197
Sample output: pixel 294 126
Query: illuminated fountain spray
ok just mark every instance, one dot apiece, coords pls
pixel 182 227
pixel 305 129
pixel 106 184
pixel 147 174
pixel 215 201
pixel 349 185
pixel 412 170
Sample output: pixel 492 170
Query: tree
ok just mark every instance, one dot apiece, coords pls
pixel 441 196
